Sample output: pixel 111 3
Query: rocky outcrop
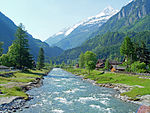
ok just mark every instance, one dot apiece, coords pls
pixel 36 83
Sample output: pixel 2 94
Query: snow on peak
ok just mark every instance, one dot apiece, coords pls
pixel 107 11
pixel 102 16
pixel 59 33
pixel 72 28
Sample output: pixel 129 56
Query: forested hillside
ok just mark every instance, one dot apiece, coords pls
pixel 132 20
pixel 105 45
pixel 132 17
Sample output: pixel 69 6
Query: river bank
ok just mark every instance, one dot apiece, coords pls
pixel 127 90
pixel 63 92
pixel 12 100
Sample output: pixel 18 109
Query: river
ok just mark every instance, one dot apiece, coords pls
pixel 63 92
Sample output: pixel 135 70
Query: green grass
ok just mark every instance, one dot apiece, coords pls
pixel 131 80
pixel 14 91
pixel 18 77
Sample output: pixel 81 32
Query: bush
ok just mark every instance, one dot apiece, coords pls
pixel 138 67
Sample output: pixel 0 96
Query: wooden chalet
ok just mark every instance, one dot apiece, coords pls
pixel 100 63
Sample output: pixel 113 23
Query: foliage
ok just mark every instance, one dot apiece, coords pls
pixel 144 54
pixel 7 31
pixel 4 59
pixel 127 48
pixel 40 63
pixel 18 54
pixel 51 63
pixel 14 83
pixel 1 49
pixel 107 65
pixel 63 65
pixel 90 60
pixel 81 60
pixel 138 67
pixel 105 45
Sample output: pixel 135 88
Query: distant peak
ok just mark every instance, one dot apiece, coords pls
pixel 108 8
pixel 107 11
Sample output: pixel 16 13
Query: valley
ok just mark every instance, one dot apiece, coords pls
pixel 100 64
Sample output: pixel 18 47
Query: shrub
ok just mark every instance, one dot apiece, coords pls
pixel 139 67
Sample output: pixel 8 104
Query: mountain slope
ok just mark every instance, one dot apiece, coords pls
pixel 79 33
pixel 7 31
pixel 134 16
pixel 104 45
pixel 132 20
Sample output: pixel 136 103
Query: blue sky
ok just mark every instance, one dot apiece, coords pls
pixel 43 18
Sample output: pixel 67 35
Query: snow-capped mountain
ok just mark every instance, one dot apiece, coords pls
pixel 79 33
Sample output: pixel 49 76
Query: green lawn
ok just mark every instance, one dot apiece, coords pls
pixel 10 86
pixel 131 80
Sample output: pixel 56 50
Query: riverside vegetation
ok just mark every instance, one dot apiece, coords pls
pixel 13 84
pixel 131 80
pixel 19 57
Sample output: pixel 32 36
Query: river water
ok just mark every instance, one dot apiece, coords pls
pixel 63 92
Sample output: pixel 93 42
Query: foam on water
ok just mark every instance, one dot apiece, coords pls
pixel 63 100
pixel 72 90
pixel 95 106
pixel 57 111
pixel 85 99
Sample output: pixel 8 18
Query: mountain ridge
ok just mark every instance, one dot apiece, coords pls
pixel 132 20
pixel 81 31
pixel 7 35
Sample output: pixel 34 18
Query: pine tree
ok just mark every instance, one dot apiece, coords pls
pixel 51 63
pixel 107 65
pixel 40 63
pixel 18 53
pixel 127 48
pixel 81 60
pixel 144 55
pixel 1 49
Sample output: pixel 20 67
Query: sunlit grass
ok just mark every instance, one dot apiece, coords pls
pixel 131 80
pixel 18 77
pixel 14 91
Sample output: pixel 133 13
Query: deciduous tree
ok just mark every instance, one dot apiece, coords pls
pixel 90 60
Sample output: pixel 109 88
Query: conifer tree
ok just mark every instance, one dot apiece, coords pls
pixel 18 54
pixel 40 63
pixel 81 60
pixel 107 65
pixel 1 49
pixel 127 49
pixel 144 55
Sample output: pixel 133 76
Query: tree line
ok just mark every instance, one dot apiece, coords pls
pixel 136 56
pixel 18 55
